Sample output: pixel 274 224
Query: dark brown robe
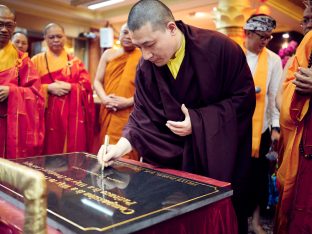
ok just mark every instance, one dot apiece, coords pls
pixel 215 84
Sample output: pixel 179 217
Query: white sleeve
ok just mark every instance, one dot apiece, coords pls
pixel 276 76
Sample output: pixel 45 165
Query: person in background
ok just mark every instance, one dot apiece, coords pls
pixel 266 68
pixel 194 93
pixel 306 25
pixel 20 40
pixel 21 104
pixel 295 157
pixel 114 84
pixel 69 113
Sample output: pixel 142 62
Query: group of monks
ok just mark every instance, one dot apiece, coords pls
pixel 176 96
pixel 47 102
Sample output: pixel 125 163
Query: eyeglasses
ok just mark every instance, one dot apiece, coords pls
pixel 8 25
pixel 264 37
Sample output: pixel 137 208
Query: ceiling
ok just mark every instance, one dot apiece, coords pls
pixel 288 13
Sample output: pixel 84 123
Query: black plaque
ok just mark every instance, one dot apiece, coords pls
pixel 123 199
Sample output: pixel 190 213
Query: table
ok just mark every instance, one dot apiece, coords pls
pixel 128 197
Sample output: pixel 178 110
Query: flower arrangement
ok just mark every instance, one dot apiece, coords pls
pixel 286 53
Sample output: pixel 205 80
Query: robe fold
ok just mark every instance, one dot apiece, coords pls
pixel 119 80
pixel 294 112
pixel 216 85
pixel 22 113
pixel 69 119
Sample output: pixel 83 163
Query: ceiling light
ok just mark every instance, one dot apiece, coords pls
pixel 103 4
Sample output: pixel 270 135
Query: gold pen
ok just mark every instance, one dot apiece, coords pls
pixel 106 143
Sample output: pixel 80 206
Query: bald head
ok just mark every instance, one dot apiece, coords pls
pixel 153 11
pixel 7 22
pixel 55 37
pixel 5 12
pixel 52 25
pixel 124 38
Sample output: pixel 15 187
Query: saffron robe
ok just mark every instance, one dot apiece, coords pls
pixel 294 112
pixel 69 119
pixel 216 85
pixel 119 80
pixel 22 113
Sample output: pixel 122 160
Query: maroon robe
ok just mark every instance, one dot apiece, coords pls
pixel 215 84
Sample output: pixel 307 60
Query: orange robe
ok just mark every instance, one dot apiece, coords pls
pixel 294 109
pixel 69 118
pixel 21 114
pixel 119 80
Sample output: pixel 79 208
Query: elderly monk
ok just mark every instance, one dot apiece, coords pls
pixel 114 84
pixel 295 172
pixel 193 104
pixel 21 105
pixel 69 110
pixel 266 68
pixel 20 40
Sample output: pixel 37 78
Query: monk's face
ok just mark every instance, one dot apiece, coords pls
pixel 257 40
pixel 20 41
pixel 125 39
pixel 306 23
pixel 157 45
pixel 7 26
pixel 55 39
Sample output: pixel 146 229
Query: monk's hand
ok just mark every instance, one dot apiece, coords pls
pixel 303 81
pixel 181 128
pixel 107 155
pixel 121 102
pixel 4 92
pixel 107 101
pixel 64 85
pixel 59 88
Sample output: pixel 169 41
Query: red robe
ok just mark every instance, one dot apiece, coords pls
pixel 21 114
pixel 69 119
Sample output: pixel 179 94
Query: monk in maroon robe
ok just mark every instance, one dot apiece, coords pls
pixel 194 101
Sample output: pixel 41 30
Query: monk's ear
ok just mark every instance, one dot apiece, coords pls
pixel 172 27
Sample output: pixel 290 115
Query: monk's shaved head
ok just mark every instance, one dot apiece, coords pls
pixel 52 25
pixel 5 12
pixel 153 11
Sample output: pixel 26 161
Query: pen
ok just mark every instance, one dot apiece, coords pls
pixel 106 143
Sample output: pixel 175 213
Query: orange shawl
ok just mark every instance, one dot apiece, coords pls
pixel 119 80
pixel 260 79
pixel 293 111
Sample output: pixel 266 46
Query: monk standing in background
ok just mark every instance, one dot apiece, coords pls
pixel 20 40
pixel 21 105
pixel 69 103
pixel 114 84
pixel 295 172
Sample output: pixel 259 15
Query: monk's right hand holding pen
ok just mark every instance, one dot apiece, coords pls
pixel 107 155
